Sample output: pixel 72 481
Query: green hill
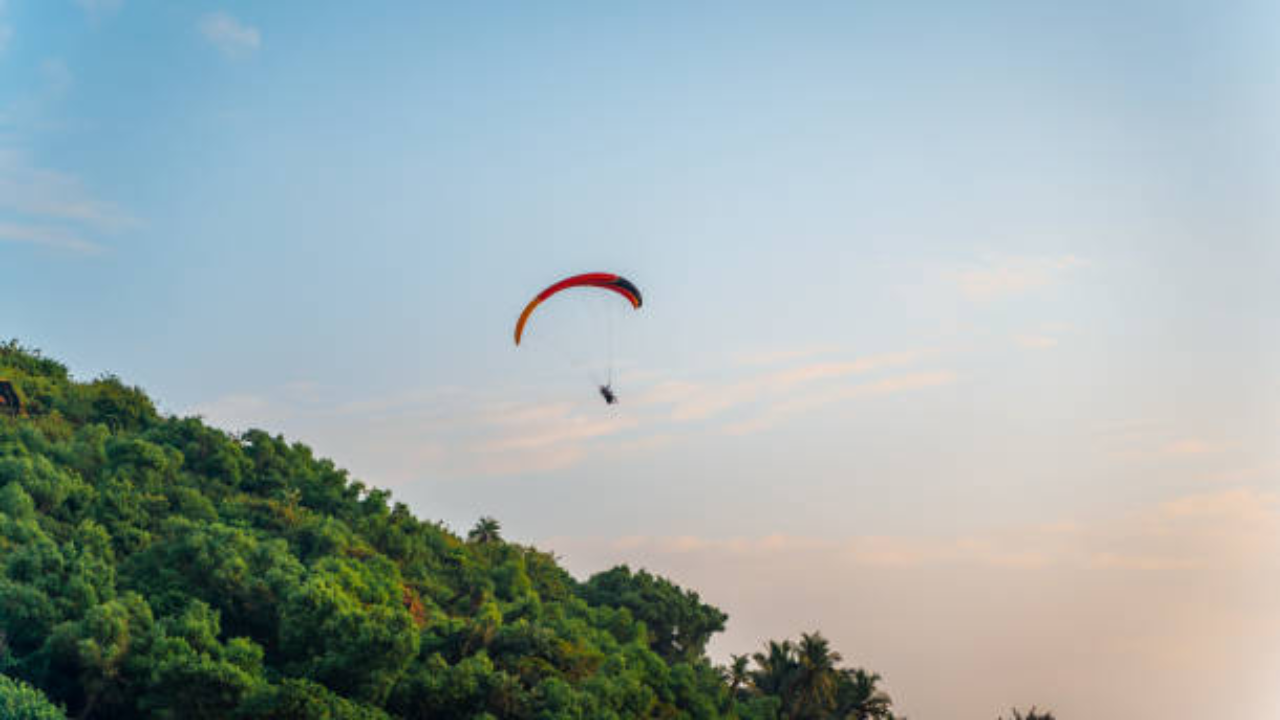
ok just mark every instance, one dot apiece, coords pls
pixel 154 566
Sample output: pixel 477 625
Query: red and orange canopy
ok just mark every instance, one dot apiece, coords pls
pixel 608 281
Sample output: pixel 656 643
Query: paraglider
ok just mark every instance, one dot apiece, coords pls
pixel 604 281
pixel 616 283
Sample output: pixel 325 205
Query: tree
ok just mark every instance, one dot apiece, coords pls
pixel 298 699
pixel 20 701
pixel 193 674
pixel 808 684
pixel 485 531
pixel 347 627
pixel 1032 714
pixel 815 677
pixel 679 623
pixel 96 659
pixel 737 674
pixel 775 670
pixel 858 698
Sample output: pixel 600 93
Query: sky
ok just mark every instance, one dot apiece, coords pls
pixel 960 331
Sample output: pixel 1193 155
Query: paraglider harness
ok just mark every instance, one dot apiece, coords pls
pixel 607 393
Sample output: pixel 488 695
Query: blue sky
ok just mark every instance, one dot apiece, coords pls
pixel 944 301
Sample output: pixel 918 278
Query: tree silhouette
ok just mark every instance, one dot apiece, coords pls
pixel 737 674
pixel 1032 714
pixel 858 698
pixel 775 670
pixel 815 677
pixel 485 531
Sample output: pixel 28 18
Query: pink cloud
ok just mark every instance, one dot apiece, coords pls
pixel 1154 610
pixel 1003 277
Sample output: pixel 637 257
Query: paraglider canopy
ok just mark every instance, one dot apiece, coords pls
pixel 607 281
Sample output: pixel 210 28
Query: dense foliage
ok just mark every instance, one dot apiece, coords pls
pixel 20 701
pixel 154 566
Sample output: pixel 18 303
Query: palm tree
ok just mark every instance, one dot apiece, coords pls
pixel 1031 715
pixel 485 531
pixel 815 677
pixel 809 685
pixel 775 669
pixel 737 674
pixel 858 698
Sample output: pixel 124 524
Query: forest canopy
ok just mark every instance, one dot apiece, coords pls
pixel 154 566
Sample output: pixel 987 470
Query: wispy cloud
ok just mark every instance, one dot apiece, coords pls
pixel 1160 442
pixel 52 208
pixel 56 195
pixel 1264 471
pixel 786 410
pixel 232 37
pixel 691 401
pixel 475 433
pixel 1036 342
pixel 446 433
pixel 38 205
pixel 776 357
pixel 534 438
pixel 238 412
pixel 1208 530
pixel 1192 446
pixel 1000 277
pixel 1175 592
pixel 1234 527
pixel 54 237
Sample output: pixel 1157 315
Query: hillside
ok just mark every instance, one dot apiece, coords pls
pixel 154 566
